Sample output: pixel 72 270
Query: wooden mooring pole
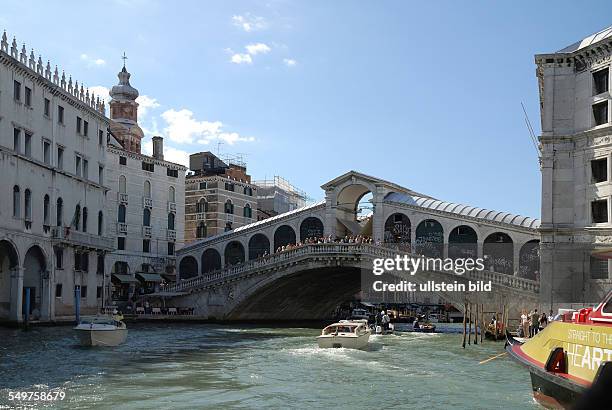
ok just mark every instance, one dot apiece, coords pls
pixel 469 323
pixel 464 318
pixel 476 326
pixel 482 322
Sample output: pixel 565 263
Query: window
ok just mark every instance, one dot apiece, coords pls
pixel 228 227
pixel 85 169
pixel 60 157
pixel 100 223
pixel 600 113
pixel 600 81
pixel 58 290
pixel 77 217
pixel 122 161
pixel 28 144
pixel 99 292
pixel 27 195
pixel 84 219
pixel 202 185
pixel 28 97
pixel 59 258
pixel 60 114
pixel 172 172
pixel 599 268
pixel 16 202
pixel 100 264
pixel 46 152
pixel 229 207
pixel 77 261
pixel 599 170
pixel 599 211
pixel 202 206
pixel 100 137
pixel 16 140
pixel 59 214
pixel 201 230
pixel 147 189
pixel 148 166
pixel 247 211
pixel 47 107
pixel 171 221
pixel 83 292
pixel 171 194
pixel 78 125
pixel 146 245
pixel 77 165
pixel 122 184
pixel 170 248
pixel 146 217
pixel 248 191
pixel 229 186
pixel 85 128
pixel 17 90
pixel 46 210
pixel 121 243
pixel 121 214
pixel 85 261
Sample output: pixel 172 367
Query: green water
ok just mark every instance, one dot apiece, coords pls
pixel 211 366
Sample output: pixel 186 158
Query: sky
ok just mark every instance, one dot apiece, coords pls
pixel 424 94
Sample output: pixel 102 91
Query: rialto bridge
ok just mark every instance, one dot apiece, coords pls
pixel 246 274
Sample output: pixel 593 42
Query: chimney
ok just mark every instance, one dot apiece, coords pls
pixel 158 147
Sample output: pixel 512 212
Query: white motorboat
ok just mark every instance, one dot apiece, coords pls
pixel 101 331
pixel 350 334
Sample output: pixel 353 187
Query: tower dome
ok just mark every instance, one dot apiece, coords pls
pixel 124 113
pixel 124 90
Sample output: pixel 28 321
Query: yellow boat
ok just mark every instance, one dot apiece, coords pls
pixel 568 355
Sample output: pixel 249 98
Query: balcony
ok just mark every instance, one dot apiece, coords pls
pixel 147 202
pixel 76 238
pixel 171 235
pixel 200 216
pixel 147 231
pixel 171 206
pixel 122 227
pixel 122 198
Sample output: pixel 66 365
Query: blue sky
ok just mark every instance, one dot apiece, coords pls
pixel 425 94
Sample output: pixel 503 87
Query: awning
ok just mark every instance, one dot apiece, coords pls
pixel 124 278
pixel 149 277
pixel 603 253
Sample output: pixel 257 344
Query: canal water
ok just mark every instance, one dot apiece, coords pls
pixel 192 366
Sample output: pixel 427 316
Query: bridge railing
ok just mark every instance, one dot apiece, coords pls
pixel 335 249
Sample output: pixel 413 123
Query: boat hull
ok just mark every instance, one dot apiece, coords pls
pixel 347 342
pixel 101 337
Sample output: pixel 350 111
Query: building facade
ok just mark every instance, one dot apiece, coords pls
pixel 145 203
pixel 219 196
pixel 277 196
pixel 53 240
pixel 576 164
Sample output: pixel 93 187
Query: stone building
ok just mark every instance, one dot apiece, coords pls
pixel 576 160
pixel 277 196
pixel 219 196
pixel 145 202
pixel 53 234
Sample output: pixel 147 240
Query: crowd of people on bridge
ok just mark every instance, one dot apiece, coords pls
pixel 358 239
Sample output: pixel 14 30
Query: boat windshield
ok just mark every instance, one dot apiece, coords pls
pixel 339 329
pixel 99 321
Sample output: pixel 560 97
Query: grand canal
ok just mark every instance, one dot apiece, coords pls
pixel 212 366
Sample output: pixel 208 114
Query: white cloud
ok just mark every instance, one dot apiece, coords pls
pixel 91 61
pixel 249 22
pixel 241 59
pixel 171 154
pixel 183 128
pixel 145 103
pixel 289 62
pixel 254 49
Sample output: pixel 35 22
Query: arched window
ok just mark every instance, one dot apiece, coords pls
pixel 201 230
pixel 202 206
pixel 16 202
pixel 100 223
pixel 146 217
pixel 59 212
pixel 85 219
pixel 46 210
pixel 27 195
pixel 171 194
pixel 171 221
pixel 122 184
pixel 147 189
pixel 247 212
pixel 77 217
pixel 248 191
pixel 229 207
pixel 121 214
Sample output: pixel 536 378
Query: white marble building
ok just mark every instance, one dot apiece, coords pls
pixel 52 159
pixel 576 162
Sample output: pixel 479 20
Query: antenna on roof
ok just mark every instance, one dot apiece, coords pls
pixel 219 143
pixel 534 140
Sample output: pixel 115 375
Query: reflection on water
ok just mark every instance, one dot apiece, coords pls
pixel 199 366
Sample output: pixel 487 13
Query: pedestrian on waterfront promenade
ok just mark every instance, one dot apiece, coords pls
pixel 525 323
pixel 535 323
pixel 543 321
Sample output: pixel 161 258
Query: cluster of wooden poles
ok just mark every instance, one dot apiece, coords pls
pixel 473 313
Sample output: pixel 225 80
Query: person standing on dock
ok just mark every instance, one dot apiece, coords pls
pixel 385 321
pixel 535 323
pixel 525 323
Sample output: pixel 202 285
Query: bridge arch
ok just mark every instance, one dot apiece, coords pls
pixel 429 238
pixel 397 228
pixel 352 219
pixel 188 267
pixel 463 242
pixel 498 252
pixel 283 236
pixel 211 260
pixel 234 253
pixel 529 260
pixel 311 227
pixel 259 245
pixel 35 278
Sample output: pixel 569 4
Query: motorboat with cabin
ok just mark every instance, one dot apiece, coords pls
pixel 350 334
pixel 102 331
pixel 568 355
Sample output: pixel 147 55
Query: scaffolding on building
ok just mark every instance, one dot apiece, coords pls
pixel 278 195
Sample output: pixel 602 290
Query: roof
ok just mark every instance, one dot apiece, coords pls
pixel 587 41
pixel 350 174
pixel 464 210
